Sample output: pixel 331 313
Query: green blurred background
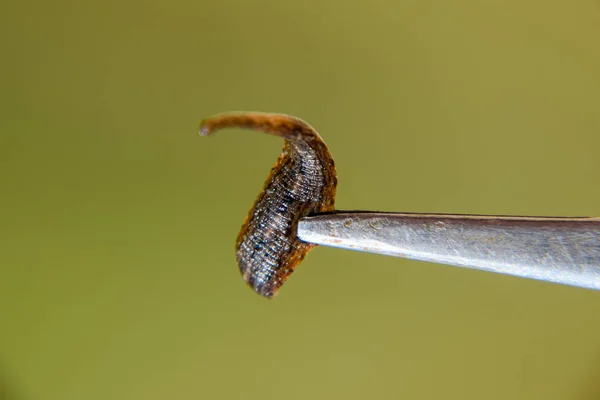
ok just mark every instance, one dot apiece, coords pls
pixel 117 221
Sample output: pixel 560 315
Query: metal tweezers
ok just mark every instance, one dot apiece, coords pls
pixel 553 249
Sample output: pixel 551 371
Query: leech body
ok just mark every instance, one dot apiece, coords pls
pixel 302 182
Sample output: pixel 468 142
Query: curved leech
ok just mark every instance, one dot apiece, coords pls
pixel 302 182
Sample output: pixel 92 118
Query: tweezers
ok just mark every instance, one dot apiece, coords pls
pixel 553 249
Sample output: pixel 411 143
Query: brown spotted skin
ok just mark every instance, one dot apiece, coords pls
pixel 302 182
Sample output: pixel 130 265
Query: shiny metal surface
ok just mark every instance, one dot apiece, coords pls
pixel 560 250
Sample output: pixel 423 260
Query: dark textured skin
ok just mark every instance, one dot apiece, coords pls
pixel 302 182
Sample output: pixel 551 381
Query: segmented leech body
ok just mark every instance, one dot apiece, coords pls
pixel 302 182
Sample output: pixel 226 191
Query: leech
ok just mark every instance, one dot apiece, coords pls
pixel 302 182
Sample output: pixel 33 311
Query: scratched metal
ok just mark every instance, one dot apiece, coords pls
pixel 560 250
pixel 302 182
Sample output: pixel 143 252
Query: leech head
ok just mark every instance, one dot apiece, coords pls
pixel 302 182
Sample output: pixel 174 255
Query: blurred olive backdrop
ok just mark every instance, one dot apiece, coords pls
pixel 117 223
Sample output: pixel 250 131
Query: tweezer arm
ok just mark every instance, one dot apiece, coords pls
pixel 560 250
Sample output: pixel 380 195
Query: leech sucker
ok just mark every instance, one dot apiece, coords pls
pixel 302 182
